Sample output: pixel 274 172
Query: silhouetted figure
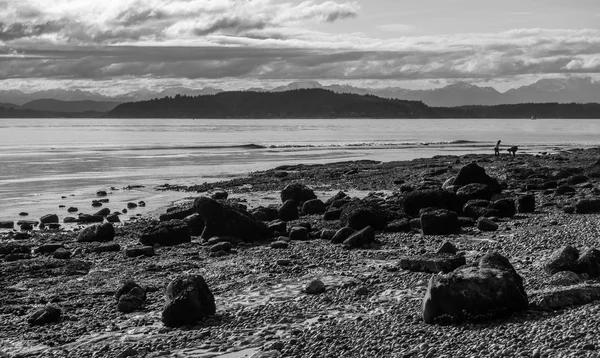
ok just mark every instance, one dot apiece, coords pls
pixel 513 150
pixel 497 149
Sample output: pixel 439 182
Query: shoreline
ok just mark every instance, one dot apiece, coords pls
pixel 261 306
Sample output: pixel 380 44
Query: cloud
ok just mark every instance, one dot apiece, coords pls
pixel 401 28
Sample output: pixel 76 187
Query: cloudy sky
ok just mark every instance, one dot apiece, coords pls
pixel 122 45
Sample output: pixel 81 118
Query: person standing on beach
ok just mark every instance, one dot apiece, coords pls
pixel 497 149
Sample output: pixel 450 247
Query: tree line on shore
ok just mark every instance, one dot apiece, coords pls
pixel 313 103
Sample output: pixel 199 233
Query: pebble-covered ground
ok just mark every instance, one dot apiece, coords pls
pixel 370 308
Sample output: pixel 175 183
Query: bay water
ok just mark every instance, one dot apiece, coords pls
pixel 42 160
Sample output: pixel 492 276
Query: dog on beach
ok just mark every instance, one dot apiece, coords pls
pixel 513 150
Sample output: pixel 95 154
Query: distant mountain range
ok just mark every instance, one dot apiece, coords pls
pixel 574 89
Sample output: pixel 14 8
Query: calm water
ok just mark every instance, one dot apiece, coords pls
pixel 44 159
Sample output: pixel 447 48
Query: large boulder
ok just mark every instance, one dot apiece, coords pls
pixel 178 213
pixel 563 259
pixel 416 200
pixel 359 214
pixel 222 219
pixel 476 208
pixel 589 262
pixel 188 299
pixel 588 206
pixel 504 208
pixel 489 290
pixel 342 234
pixel 439 222
pixel 474 191
pixel 298 192
pixel 49 219
pixel 288 211
pixel 485 224
pixel 99 232
pixel 130 296
pixel 360 238
pixel 313 206
pixel 526 203
pixel 473 173
pixel 166 233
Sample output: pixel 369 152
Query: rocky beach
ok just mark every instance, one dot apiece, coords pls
pixel 450 256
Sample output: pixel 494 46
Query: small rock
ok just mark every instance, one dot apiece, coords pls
pixel 485 224
pixel 49 314
pixel 62 254
pixel 136 251
pixel 279 245
pixel 315 287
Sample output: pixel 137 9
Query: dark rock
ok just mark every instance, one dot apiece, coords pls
pixel 419 199
pixel 14 248
pixel 315 287
pixel 589 262
pixel 107 248
pixel 270 213
pixel 98 232
pixel 54 226
pixel 526 203
pixel 17 257
pixel 26 226
pixel 47 248
pixel 48 314
pixel 564 278
pixel 476 208
pixel 166 233
pixel 72 209
pixel 568 209
pixel 178 214
pixel 313 206
pixel 561 297
pixel 279 244
pixel 399 225
pixel 130 296
pixel 550 184
pixel 466 221
pixel 87 219
pixel 297 192
pixel 226 220
pixel 70 220
pixel 415 223
pixel 49 219
pixel 337 197
pixel 577 179
pixel 587 206
pixel 221 246
pixel 288 211
pixel 195 224
pixel 96 204
pixel 101 193
pixel 485 224
pixel 563 259
pixel 135 251
pixel 113 218
pixel 219 195
pixel 327 234
pixel 447 248
pixel 439 222
pixel 188 300
pixel 229 239
pixel 473 173
pixel 141 204
pixel 131 205
pixel 298 233
pixel 342 234
pixel 277 226
pixel 474 191
pixel 62 254
pixel 565 189
pixel 332 214
pixel 102 212
pixel 23 213
pixel 284 262
pixel 432 263
pixel 474 293
pixel 360 238
pixel 504 208
pixel 7 224
pixel 359 214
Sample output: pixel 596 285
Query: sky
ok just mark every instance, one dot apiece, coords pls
pixel 116 46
